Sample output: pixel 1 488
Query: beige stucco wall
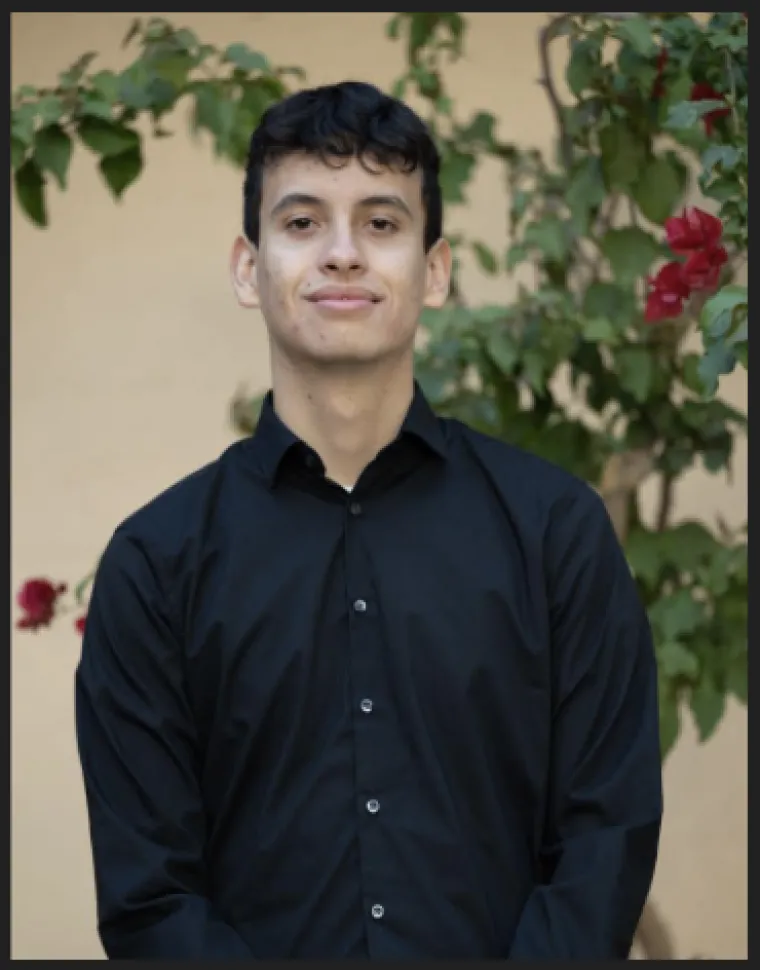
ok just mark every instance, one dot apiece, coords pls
pixel 126 347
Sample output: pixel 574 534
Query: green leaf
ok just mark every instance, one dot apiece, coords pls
pixel 436 385
pixel 549 235
pixel 398 88
pixel 623 155
pixel 18 153
pixel 630 252
pixel 246 59
pixel 50 109
pixel 52 152
pixel 94 106
pixel 393 26
pixel 186 39
pixel 658 191
pixel 107 138
pixel 670 722
pixel 174 68
pixel 25 91
pixel 456 169
pixel 586 190
pixel 23 121
pixel 635 372
pixel 582 66
pixel 716 316
pixel 502 349
pixel 676 615
pixel 603 299
pixel 71 78
pixel 737 680
pixel 134 85
pixel 480 129
pixel 734 42
pixel 724 156
pixel 642 550
pixel 717 360
pixel 519 204
pixel 707 705
pixel 516 254
pixel 600 330
pixel 134 30
pixel 534 369
pixel 686 114
pixel 690 373
pixel 444 105
pixel 676 660
pixel 120 171
pixel 485 257
pixel 637 32
pixel 30 192
pixel 687 545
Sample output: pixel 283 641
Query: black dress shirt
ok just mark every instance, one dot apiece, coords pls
pixel 414 721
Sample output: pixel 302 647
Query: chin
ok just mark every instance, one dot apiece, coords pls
pixel 344 355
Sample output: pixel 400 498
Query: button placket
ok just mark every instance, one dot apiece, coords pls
pixel 368 682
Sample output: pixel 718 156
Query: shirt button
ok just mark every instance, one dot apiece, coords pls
pixel 366 705
pixel 360 606
pixel 378 911
pixel 373 806
pixel 355 508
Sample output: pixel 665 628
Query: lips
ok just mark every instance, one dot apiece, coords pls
pixel 343 294
pixel 344 299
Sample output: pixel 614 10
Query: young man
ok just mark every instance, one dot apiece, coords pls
pixel 371 684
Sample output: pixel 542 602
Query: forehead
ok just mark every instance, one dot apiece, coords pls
pixel 338 182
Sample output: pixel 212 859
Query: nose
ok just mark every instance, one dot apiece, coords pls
pixel 342 253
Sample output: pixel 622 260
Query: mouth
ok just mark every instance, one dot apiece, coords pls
pixel 344 300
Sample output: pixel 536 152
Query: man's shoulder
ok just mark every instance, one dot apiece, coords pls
pixel 166 521
pixel 520 473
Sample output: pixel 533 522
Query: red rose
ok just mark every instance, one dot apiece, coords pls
pixel 693 230
pixel 706 92
pixel 702 269
pixel 79 624
pixel 37 598
pixel 669 290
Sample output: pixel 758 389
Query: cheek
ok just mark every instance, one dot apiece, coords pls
pixel 279 277
pixel 407 277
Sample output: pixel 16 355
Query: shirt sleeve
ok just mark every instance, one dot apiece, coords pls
pixel 139 759
pixel 604 805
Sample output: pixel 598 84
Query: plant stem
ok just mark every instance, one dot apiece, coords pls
pixel 665 502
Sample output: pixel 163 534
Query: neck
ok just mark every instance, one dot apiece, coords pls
pixel 347 415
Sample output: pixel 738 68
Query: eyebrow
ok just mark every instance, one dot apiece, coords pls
pixel 301 198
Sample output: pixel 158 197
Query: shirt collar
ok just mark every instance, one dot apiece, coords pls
pixel 272 439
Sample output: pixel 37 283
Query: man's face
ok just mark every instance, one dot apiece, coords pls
pixel 340 273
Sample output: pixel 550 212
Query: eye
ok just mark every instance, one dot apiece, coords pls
pixel 383 225
pixel 300 224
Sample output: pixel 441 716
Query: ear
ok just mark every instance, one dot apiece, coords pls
pixel 438 274
pixel 243 268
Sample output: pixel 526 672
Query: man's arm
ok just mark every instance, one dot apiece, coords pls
pixel 138 752
pixel 605 784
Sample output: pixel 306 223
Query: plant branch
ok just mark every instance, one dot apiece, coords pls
pixel 545 36
pixel 665 502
